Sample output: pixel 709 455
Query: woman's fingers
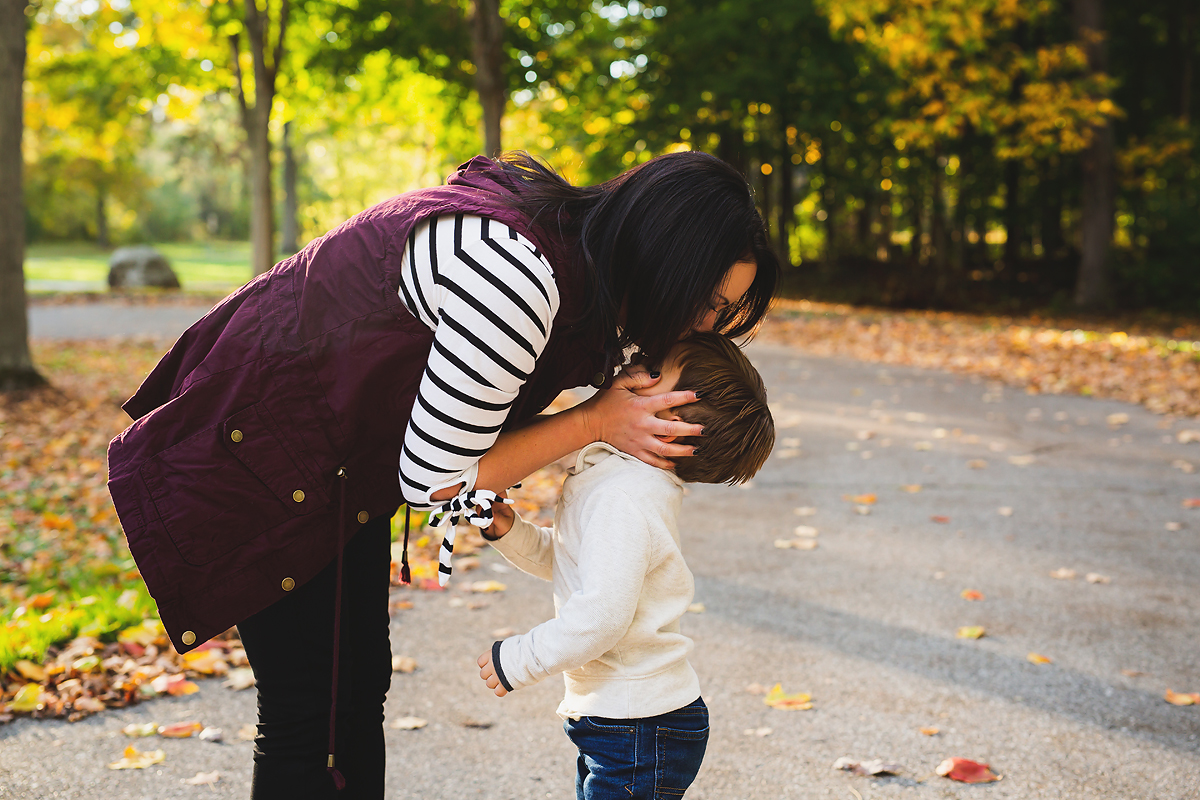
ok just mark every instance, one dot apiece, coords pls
pixel 661 402
pixel 635 378
pixel 669 429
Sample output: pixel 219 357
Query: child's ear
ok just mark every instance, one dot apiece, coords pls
pixel 667 415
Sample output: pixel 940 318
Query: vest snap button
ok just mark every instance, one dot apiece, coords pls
pixel 188 638
pixel 363 516
pixel 598 380
pixel 235 436
pixel 288 584
pixel 298 496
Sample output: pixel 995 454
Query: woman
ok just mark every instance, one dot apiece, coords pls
pixel 414 333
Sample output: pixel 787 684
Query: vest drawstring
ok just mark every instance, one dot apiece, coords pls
pixel 338 780
pixel 405 574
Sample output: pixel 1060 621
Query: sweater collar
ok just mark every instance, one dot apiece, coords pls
pixel 598 452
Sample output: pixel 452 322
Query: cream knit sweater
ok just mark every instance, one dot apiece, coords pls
pixel 620 587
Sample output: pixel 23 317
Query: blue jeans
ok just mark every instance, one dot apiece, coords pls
pixel 652 758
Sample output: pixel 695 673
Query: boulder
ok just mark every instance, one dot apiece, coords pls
pixel 140 266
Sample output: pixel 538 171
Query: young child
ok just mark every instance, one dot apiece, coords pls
pixel 632 703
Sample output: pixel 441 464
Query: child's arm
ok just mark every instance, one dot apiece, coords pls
pixel 615 557
pixel 527 547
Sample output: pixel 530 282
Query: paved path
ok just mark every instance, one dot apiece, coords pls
pixel 102 320
pixel 865 623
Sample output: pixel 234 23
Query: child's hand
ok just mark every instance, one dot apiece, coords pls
pixel 502 519
pixel 488 673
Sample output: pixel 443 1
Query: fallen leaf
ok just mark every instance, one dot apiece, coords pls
pixel 247 732
pixel 405 664
pixel 27 698
pixel 409 724
pixel 482 725
pixel 484 587
pixel 239 679
pixel 930 731
pixel 1022 461
pixel 504 633
pixel 862 510
pixel 696 608
pixel 214 735
pixel 138 759
pixel 796 544
pixel 922 445
pixel 758 731
pixel 940 519
pixel 966 771
pixel 401 605
pixel 137 730
pixel 88 705
pixel 804 511
pixel 977 463
pixel 757 688
pixel 180 730
pixel 1192 502
pixel 777 698
pixel 1005 511
pixel 1096 577
pixel 209 662
pixel 860 499
pixel 1063 574
pixel 30 671
pixel 173 685
pixel 1173 526
pixel 1132 673
pixel 1185 436
pixel 875 766
pixel 203 778
pixel 1037 658
pixel 911 488
pixel 971 594
pixel 805 531
pixel 1116 420
pixel 1182 698
pixel 970 632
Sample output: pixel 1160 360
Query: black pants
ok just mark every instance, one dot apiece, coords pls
pixel 290 647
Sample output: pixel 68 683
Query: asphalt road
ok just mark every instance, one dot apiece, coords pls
pixel 865 623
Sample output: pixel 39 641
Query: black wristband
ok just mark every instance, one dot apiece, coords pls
pixel 496 666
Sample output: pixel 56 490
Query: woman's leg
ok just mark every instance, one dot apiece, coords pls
pixel 289 647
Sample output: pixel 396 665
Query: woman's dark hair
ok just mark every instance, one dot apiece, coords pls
pixel 659 237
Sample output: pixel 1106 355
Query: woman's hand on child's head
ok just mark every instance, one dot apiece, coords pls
pixel 629 421
pixel 488 674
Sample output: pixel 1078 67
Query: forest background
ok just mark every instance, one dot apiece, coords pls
pixel 960 154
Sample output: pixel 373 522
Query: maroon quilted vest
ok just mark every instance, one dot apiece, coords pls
pixel 226 482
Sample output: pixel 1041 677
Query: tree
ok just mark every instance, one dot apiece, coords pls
pixel 16 363
pixel 1099 175
pixel 256 119
pixel 487 39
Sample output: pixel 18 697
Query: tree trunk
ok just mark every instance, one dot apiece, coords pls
pixel 1091 284
pixel 787 201
pixel 1013 224
pixel 256 122
pixel 101 216
pixel 487 39
pixel 16 363
pixel 1050 192
pixel 290 232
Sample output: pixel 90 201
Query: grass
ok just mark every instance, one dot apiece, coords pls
pixel 199 265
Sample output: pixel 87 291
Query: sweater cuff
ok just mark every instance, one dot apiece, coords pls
pixel 499 670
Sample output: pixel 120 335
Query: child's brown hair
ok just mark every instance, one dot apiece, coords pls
pixel 738 429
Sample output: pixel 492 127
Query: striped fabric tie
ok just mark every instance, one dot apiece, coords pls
pixel 473 507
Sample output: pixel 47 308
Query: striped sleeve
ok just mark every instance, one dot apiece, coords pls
pixel 490 299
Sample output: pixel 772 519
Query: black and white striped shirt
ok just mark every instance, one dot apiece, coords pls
pixel 489 296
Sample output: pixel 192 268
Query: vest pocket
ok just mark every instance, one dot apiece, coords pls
pixel 228 483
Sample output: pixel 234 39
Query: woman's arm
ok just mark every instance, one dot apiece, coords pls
pixel 617 416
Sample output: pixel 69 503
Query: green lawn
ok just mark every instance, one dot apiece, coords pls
pixel 200 265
